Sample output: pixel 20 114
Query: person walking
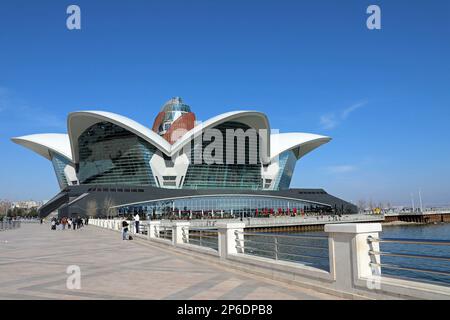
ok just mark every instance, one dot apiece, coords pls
pixel 69 223
pixel 136 222
pixel 53 223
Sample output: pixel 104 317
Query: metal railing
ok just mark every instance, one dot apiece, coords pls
pixel 287 221
pixel 144 228
pixel 307 249
pixel 6 225
pixel 202 237
pixel 164 232
pixel 404 262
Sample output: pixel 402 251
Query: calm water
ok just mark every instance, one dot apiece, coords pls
pixel 315 251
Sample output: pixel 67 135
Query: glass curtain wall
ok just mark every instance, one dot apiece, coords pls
pixel 226 207
pixel 110 154
pixel 59 164
pixel 227 176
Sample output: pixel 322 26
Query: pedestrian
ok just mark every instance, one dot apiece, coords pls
pixel 136 222
pixel 124 230
pixel 69 223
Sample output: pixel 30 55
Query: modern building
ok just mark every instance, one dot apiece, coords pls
pixel 230 165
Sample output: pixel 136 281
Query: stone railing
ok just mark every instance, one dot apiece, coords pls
pixel 6 225
pixel 354 271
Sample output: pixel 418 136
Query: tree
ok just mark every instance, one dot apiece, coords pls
pixel 33 212
pixel 91 208
pixel 4 207
pixel 108 209
pixel 361 205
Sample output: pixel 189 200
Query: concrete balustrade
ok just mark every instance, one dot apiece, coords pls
pixel 349 252
pixel 351 274
pixel 230 236
pixel 177 232
pixel 153 231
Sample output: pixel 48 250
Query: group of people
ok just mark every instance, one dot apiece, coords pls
pixel 125 225
pixel 70 223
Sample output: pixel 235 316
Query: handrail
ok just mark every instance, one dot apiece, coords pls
pixel 409 255
pixel 390 266
pixel 410 241
pixel 285 244
pixel 281 235
pixel 428 242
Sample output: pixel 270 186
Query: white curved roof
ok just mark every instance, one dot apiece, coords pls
pixel 45 142
pixel 78 122
pixel 300 143
pixel 253 119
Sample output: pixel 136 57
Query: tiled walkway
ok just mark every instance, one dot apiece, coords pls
pixel 34 260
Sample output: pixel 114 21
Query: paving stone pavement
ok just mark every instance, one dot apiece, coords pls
pixel 34 261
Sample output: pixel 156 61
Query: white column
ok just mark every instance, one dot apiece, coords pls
pixel 228 239
pixel 177 232
pixel 349 253
pixel 153 230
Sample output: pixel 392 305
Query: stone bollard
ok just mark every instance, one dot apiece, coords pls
pixel 153 229
pixel 349 254
pixel 177 232
pixel 228 239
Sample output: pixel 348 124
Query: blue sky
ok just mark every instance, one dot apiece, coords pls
pixel 312 66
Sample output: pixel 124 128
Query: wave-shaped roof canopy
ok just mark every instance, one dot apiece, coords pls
pixel 300 143
pixel 77 122
pixel 44 143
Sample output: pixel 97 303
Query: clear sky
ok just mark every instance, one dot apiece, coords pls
pixel 311 66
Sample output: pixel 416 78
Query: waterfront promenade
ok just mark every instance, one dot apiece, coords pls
pixel 34 259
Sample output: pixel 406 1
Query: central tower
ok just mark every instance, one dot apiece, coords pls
pixel 174 120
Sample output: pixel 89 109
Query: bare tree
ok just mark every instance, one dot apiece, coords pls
pixel 361 205
pixel 4 207
pixel 92 208
pixel 108 205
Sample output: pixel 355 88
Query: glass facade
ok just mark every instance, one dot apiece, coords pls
pixel 287 161
pixel 226 206
pixel 59 164
pixel 109 154
pixel 230 176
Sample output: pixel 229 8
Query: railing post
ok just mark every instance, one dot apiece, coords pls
pixel 177 232
pixel 276 247
pixel 228 239
pixel 349 253
pixel 153 229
